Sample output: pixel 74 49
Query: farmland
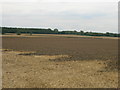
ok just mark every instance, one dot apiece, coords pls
pixel 59 61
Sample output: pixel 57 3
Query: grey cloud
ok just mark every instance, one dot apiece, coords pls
pixel 100 17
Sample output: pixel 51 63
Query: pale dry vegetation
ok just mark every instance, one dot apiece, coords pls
pixel 39 72
pixel 44 64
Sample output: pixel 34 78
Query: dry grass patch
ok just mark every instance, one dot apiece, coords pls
pixel 21 71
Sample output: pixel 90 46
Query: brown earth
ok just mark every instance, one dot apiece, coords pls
pixel 78 48
pixel 59 62
pixel 54 35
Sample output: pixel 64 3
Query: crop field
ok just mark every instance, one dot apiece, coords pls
pixel 59 61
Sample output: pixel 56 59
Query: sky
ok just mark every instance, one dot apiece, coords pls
pixel 86 15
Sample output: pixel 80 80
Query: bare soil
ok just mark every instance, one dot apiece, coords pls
pixel 59 62
pixel 78 48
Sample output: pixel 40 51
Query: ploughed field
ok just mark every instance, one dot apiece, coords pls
pixel 56 61
pixel 78 48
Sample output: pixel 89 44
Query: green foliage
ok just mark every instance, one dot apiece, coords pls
pixel 3 33
pixel 18 33
pixel 31 31
pixel 56 30
pixel 81 32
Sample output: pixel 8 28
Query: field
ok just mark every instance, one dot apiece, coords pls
pixel 59 61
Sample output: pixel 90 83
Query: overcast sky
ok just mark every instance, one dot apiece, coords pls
pixel 95 15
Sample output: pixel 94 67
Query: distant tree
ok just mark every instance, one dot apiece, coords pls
pixel 18 33
pixel 49 29
pixel 82 32
pixel 107 34
pixel 55 30
pixel 30 33
pixel 86 33
pixel 3 33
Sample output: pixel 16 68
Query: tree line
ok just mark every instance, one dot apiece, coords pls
pixel 31 31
